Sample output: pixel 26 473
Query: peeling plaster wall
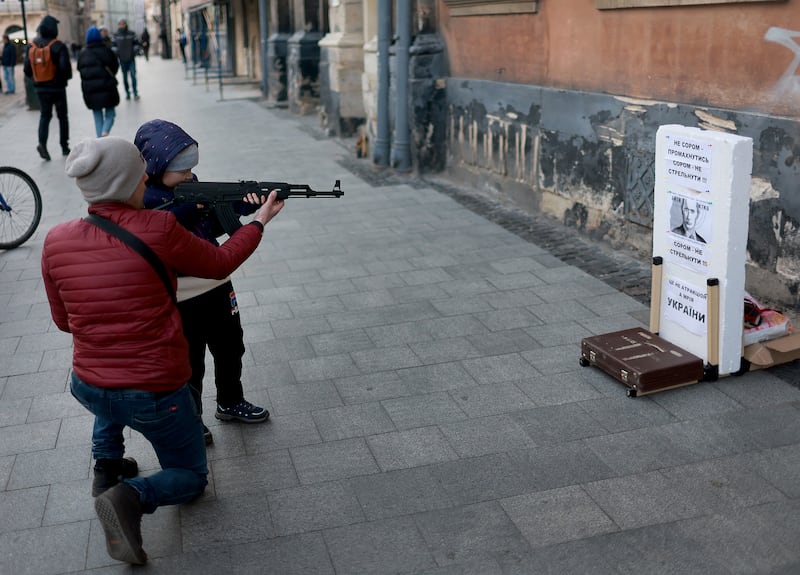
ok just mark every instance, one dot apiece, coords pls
pixel 586 159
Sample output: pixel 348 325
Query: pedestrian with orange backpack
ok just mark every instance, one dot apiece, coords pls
pixel 47 61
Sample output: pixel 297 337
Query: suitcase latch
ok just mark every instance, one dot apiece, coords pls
pixel 623 374
pixel 591 355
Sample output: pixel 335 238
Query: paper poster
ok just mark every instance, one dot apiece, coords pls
pixel 690 233
pixel 688 163
pixel 686 305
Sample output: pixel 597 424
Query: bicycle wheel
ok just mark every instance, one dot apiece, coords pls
pixel 20 207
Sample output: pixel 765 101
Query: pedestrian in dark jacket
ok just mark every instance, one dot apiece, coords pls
pixel 146 44
pixel 52 93
pixel 130 360
pixel 181 43
pixel 9 60
pixel 106 38
pixel 126 45
pixel 208 308
pixel 98 67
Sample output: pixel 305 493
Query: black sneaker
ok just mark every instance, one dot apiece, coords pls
pixel 209 439
pixel 242 411
pixel 120 514
pixel 109 472
pixel 45 155
pixel 65 150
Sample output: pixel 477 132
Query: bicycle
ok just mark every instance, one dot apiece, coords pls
pixel 20 207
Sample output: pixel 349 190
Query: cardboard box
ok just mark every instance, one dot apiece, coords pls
pixel 772 352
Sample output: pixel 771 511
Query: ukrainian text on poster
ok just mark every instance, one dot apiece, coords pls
pixel 688 163
pixel 690 232
pixel 686 305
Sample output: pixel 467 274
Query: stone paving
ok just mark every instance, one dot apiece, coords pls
pixel 429 415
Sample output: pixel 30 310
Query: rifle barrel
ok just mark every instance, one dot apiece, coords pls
pixel 286 190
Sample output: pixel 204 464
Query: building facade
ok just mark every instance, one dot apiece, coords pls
pixel 562 120
pixel 69 13
pixel 11 17
pixel 554 106
pixel 551 105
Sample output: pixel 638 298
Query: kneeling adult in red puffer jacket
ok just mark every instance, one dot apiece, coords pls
pixel 130 360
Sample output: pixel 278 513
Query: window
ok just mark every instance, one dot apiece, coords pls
pixel 489 7
pixel 610 4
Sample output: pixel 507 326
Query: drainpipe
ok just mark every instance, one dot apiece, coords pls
pixel 31 99
pixel 246 40
pixel 217 8
pixel 380 155
pixel 401 152
pixel 263 24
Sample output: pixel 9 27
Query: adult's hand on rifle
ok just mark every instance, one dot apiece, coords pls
pixel 270 206
pixel 253 198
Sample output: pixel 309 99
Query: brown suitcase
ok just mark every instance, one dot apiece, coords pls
pixel 641 361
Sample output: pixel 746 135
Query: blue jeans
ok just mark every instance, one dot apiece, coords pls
pixel 129 68
pixel 169 421
pixel 103 120
pixel 8 77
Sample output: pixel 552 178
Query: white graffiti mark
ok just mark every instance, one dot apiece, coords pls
pixel 789 83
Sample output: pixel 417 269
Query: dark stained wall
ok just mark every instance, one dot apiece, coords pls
pixel 587 159
pixel 558 110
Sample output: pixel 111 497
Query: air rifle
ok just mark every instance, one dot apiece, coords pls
pixel 222 196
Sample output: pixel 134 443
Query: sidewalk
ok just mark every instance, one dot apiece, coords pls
pixel 420 362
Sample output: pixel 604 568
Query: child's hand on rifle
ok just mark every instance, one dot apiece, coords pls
pixel 270 206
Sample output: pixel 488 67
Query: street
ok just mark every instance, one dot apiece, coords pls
pixel 420 362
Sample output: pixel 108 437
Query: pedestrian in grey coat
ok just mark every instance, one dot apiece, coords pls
pixel 126 45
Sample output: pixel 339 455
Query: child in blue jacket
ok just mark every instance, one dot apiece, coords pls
pixel 208 307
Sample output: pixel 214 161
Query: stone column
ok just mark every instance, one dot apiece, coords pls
pixel 369 89
pixel 369 76
pixel 303 72
pixel 277 51
pixel 427 110
pixel 341 67
pixel 427 82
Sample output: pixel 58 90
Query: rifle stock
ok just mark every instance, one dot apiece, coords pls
pixel 221 196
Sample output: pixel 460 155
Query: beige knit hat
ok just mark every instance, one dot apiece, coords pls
pixel 105 169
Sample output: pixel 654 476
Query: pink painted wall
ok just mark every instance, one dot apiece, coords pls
pixel 713 55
